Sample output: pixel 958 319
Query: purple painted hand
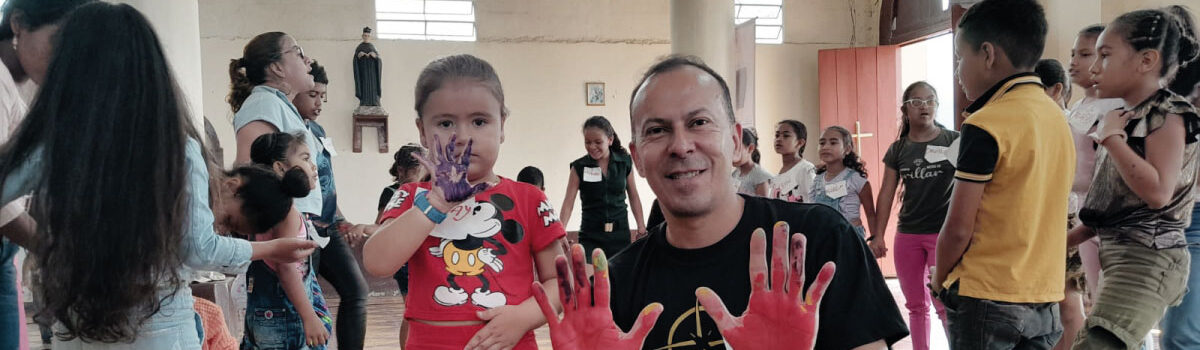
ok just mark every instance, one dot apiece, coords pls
pixel 450 170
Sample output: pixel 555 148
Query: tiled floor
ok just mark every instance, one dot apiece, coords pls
pixel 384 315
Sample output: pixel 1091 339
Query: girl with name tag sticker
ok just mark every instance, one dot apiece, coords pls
pixel 921 160
pixel 603 179
pixel 841 181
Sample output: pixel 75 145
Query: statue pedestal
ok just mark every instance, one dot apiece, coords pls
pixel 370 117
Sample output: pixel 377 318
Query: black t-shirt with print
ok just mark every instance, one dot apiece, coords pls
pixel 857 309
pixel 928 178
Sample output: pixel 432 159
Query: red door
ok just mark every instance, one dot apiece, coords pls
pixel 860 90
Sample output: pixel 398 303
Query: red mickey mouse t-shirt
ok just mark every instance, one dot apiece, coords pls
pixel 481 256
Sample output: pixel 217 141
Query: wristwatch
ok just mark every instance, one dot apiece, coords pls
pixel 421 202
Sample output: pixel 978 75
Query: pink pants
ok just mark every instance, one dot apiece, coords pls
pixel 914 254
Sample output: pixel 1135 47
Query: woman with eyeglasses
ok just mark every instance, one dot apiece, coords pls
pixel 263 83
pixel 919 159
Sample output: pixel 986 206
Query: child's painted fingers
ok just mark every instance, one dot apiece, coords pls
pixel 465 158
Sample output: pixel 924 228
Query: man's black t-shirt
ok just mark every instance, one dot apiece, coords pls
pixel 857 308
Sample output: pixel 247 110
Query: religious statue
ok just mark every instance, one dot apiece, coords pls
pixel 367 67
pixel 368 114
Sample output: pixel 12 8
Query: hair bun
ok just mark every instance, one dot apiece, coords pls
pixel 296 183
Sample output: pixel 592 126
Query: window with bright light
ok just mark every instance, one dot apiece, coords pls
pixel 452 20
pixel 768 16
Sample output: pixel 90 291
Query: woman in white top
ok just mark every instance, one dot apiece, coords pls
pixel 796 176
pixel 271 72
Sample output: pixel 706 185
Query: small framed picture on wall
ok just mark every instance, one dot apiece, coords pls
pixel 594 93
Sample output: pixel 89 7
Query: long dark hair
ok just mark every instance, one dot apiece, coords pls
pixel 267 197
pixel 35 13
pixel 800 130
pixel 851 160
pixel 111 187
pixel 750 138
pixel 251 69
pixel 1171 32
pixel 600 122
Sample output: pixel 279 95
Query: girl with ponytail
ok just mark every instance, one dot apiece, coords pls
pixel 603 178
pixel 282 299
pixel 1146 164
pixel 917 161
pixel 263 83
pixel 749 177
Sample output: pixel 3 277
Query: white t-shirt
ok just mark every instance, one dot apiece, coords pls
pixel 748 183
pixel 794 184
pixel 12 112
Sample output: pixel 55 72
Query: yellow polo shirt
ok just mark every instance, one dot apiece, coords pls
pixel 1017 141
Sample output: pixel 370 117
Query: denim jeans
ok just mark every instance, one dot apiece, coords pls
pixel 1181 325
pixel 980 324
pixel 272 321
pixel 10 319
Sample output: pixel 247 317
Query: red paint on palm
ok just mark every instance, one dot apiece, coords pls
pixel 587 323
pixel 776 317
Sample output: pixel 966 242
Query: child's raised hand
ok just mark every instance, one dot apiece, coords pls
pixel 778 316
pixel 588 325
pixel 449 171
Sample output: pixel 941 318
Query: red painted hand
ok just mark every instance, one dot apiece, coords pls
pixel 586 325
pixel 777 317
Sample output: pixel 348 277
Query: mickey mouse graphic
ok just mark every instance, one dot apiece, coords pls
pixel 470 246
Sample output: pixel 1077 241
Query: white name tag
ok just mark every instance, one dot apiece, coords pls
pixel 592 174
pixel 935 154
pixel 328 143
pixel 836 190
pixel 311 231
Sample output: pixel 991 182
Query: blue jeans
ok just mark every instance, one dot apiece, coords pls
pixel 981 324
pixel 1181 324
pixel 272 322
pixel 10 319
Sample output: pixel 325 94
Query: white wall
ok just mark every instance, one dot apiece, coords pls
pixel 544 51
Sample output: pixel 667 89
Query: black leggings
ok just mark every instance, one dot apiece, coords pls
pixel 337 265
